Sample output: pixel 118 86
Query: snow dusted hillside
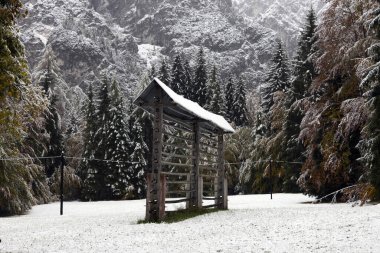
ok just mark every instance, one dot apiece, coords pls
pixel 93 37
pixel 254 223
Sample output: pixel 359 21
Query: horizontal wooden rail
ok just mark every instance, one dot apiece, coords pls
pixel 207 161
pixel 181 128
pixel 208 183
pixel 177 182
pixel 178 156
pixel 207 206
pixel 179 191
pixel 208 137
pixel 208 145
pixel 174 173
pixel 170 118
pixel 176 164
pixel 208 154
pixel 210 176
pixel 210 198
pixel 187 147
pixel 178 137
pixel 176 201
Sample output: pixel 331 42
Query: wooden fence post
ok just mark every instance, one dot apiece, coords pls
pixel 155 208
pixel 222 189
pixel 196 201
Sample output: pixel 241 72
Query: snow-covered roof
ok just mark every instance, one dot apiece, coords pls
pixel 181 108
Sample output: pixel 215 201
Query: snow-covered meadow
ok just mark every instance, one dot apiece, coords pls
pixel 254 223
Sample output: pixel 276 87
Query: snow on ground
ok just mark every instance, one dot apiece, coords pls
pixel 254 223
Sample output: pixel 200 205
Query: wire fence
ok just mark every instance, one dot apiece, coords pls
pixel 121 161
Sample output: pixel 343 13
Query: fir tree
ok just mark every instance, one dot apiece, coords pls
pixel 304 70
pixel 215 104
pixel 118 147
pixel 200 79
pixel 188 83
pixel 152 73
pixel 138 162
pixel 163 74
pixel 230 99
pixel 239 106
pixel 95 187
pixel 178 76
pixel 277 78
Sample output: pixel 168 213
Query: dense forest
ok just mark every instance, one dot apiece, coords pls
pixel 312 127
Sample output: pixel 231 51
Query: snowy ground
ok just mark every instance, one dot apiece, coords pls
pixel 254 223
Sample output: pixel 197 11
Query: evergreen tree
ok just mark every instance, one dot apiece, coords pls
pixel 371 81
pixel 200 79
pixel 178 76
pixel 118 142
pixel 239 106
pixel 304 70
pixel 152 73
pixel 163 74
pixel 96 185
pixel 277 78
pixel 22 104
pixel 138 162
pixel 55 140
pixel 230 99
pixel 188 83
pixel 215 104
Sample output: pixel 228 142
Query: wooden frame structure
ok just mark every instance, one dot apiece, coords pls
pixel 187 153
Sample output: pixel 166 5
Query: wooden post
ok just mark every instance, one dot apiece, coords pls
pixel 155 208
pixel 200 192
pixel 196 201
pixel 221 191
pixel 270 179
pixel 61 183
pixel 188 188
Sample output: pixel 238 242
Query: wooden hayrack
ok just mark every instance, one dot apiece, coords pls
pixel 187 154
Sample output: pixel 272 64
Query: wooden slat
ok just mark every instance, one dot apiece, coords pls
pixel 178 182
pixel 211 176
pixel 207 161
pixel 187 147
pixel 208 166
pixel 179 191
pixel 210 198
pixel 178 137
pixel 176 164
pixel 208 138
pixel 174 173
pixel 209 146
pixel 177 201
pixel 181 128
pixel 212 205
pixel 206 153
pixel 178 156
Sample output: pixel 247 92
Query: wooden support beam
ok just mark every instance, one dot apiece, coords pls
pixel 196 200
pixel 176 155
pixel 221 184
pixel 179 127
pixel 176 201
pixel 186 147
pixel 176 164
pixel 167 173
pixel 177 137
pixel 155 201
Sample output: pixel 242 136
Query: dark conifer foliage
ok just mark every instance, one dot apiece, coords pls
pixel 371 81
pixel 304 69
pixel 178 76
pixel 239 106
pixel 200 79
pixel 278 77
pixel 215 103
pixel 230 99
pixel 164 73
pixel 188 83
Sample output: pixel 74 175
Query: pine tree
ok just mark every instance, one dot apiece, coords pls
pixel 200 79
pixel 178 76
pixel 215 104
pixel 188 83
pixel 163 74
pixel 239 106
pixel 278 77
pixel 118 142
pixel 230 98
pixel 152 73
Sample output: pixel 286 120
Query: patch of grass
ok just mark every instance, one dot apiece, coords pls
pixel 181 215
